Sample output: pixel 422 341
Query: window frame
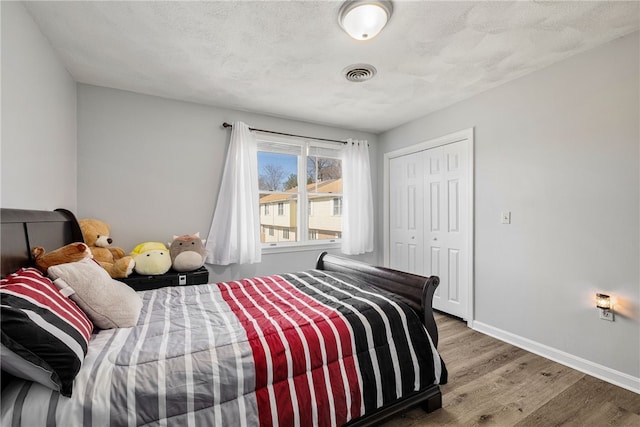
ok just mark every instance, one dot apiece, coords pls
pixel 302 209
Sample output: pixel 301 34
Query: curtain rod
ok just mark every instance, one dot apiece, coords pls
pixel 227 125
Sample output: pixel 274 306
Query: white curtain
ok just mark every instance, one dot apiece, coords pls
pixel 357 210
pixel 235 229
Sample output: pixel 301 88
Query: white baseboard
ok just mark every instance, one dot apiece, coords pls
pixel 599 371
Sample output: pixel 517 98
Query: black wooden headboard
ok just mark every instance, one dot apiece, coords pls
pixel 23 229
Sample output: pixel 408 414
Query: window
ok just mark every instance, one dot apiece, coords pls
pixel 266 208
pixel 304 178
pixel 337 206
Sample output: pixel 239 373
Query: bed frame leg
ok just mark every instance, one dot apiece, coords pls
pixel 432 403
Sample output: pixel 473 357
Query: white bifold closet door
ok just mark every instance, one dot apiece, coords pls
pixel 428 221
pixel 406 219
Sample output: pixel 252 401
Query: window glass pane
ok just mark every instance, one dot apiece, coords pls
pixel 324 175
pixel 324 187
pixel 326 221
pixel 277 171
pixel 278 222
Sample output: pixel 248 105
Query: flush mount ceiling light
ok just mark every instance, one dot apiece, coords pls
pixel 363 19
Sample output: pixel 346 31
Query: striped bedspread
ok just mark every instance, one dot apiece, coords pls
pixel 287 350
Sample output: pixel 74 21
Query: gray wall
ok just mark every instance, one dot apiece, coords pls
pixel 151 167
pixel 38 118
pixel 559 149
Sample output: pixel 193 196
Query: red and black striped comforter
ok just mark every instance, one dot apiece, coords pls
pixel 287 350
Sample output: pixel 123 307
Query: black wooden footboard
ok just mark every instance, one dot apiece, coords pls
pixel 416 290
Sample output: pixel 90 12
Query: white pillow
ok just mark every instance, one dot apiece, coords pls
pixel 107 302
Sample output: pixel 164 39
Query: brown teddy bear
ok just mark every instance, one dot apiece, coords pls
pixel 111 258
pixel 69 253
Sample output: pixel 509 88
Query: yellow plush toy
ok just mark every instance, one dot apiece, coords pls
pixel 152 258
pixel 111 258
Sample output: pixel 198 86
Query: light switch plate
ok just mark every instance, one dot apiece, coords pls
pixel 505 217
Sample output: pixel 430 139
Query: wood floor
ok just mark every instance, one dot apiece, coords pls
pixel 492 383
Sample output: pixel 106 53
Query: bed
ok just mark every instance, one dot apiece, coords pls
pixel 344 343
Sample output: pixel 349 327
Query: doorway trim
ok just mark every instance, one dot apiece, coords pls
pixel 466 135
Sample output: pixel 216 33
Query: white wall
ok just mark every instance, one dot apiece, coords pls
pixel 38 118
pixel 152 168
pixel 559 149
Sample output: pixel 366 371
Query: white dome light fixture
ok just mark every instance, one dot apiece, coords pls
pixel 363 19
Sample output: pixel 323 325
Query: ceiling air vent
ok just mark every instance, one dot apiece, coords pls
pixel 359 72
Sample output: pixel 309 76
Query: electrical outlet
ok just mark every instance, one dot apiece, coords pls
pixel 606 315
pixel 505 217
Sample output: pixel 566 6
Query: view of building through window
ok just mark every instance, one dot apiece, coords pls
pixel 299 209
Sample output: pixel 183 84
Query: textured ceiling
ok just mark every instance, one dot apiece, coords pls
pixel 285 58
